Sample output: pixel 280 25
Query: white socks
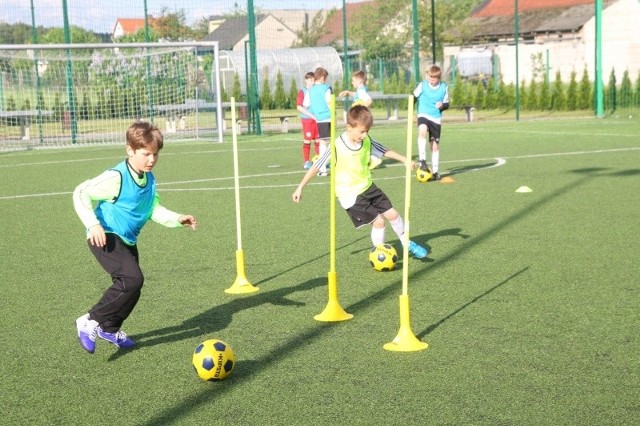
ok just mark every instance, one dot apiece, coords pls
pixel 422 149
pixel 435 160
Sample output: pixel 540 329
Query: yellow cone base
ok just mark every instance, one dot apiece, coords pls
pixel 405 341
pixel 333 311
pixel 241 285
pixel 447 179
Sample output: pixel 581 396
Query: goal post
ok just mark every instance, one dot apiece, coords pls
pixel 87 94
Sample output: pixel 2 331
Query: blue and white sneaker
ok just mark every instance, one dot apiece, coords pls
pixel 119 338
pixel 417 251
pixel 87 331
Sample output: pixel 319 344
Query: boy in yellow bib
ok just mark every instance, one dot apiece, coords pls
pixel 364 202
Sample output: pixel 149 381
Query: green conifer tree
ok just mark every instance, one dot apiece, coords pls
pixel 558 98
pixel 585 94
pixel 524 96
pixel 545 96
pixel 610 101
pixel 293 94
pixel 236 89
pixel 572 93
pixel 636 97
pixel 533 96
pixel 625 96
pixel 266 100
pixel 279 95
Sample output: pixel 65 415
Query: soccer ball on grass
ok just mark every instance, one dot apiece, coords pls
pixel 423 176
pixel 214 360
pixel 383 257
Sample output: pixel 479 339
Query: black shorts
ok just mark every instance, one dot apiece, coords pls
pixel 324 130
pixel 369 205
pixel 433 128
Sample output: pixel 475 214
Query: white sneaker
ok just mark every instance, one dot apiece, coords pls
pixel 87 332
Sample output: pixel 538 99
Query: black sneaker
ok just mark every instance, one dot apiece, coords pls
pixel 435 176
pixel 424 166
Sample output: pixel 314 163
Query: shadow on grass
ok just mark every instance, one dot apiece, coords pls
pixel 206 396
pixel 422 240
pixel 463 169
pixel 218 317
pixel 469 303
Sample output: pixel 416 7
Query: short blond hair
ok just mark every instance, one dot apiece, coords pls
pixel 434 71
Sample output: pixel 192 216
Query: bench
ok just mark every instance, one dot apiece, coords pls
pixel 468 110
pixel 23 118
pixel 391 101
pixel 283 119
pixel 176 113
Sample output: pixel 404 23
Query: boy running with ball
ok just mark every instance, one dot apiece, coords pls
pixel 364 202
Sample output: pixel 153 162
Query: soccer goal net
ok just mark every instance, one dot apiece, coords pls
pixel 87 94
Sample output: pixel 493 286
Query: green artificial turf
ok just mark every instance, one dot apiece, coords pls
pixel 529 302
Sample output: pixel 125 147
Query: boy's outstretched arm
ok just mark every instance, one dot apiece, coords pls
pixel 401 158
pixel 297 194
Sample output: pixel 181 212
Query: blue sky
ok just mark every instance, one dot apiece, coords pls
pixel 101 15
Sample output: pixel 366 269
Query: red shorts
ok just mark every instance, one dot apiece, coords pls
pixel 309 129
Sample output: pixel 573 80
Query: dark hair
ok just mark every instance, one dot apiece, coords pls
pixel 309 75
pixel 144 135
pixel 359 115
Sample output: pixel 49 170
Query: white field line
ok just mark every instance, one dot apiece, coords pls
pixel 499 161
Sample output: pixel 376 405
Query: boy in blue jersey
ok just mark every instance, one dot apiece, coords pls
pixel 364 202
pixel 125 199
pixel 360 95
pixel 320 95
pixel 432 96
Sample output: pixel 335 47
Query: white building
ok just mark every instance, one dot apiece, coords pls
pixel 560 33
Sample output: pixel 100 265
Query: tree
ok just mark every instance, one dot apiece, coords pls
pixel 625 99
pixel 236 89
pixel 77 35
pixel 585 95
pixel 172 26
pixel 610 100
pixel 572 93
pixel 293 93
pixel 139 36
pixel 545 95
pixel 279 95
pixel 637 92
pixel 533 100
pixel 309 35
pixel 558 99
pixel 266 101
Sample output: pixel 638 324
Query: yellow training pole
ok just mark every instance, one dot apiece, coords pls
pixel 333 311
pixel 405 340
pixel 241 283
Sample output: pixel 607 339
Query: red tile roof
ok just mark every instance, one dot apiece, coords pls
pixel 132 25
pixel 506 7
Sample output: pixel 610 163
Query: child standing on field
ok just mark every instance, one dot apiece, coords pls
pixel 364 202
pixel 432 96
pixel 125 199
pixel 320 95
pixel 309 126
pixel 361 95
